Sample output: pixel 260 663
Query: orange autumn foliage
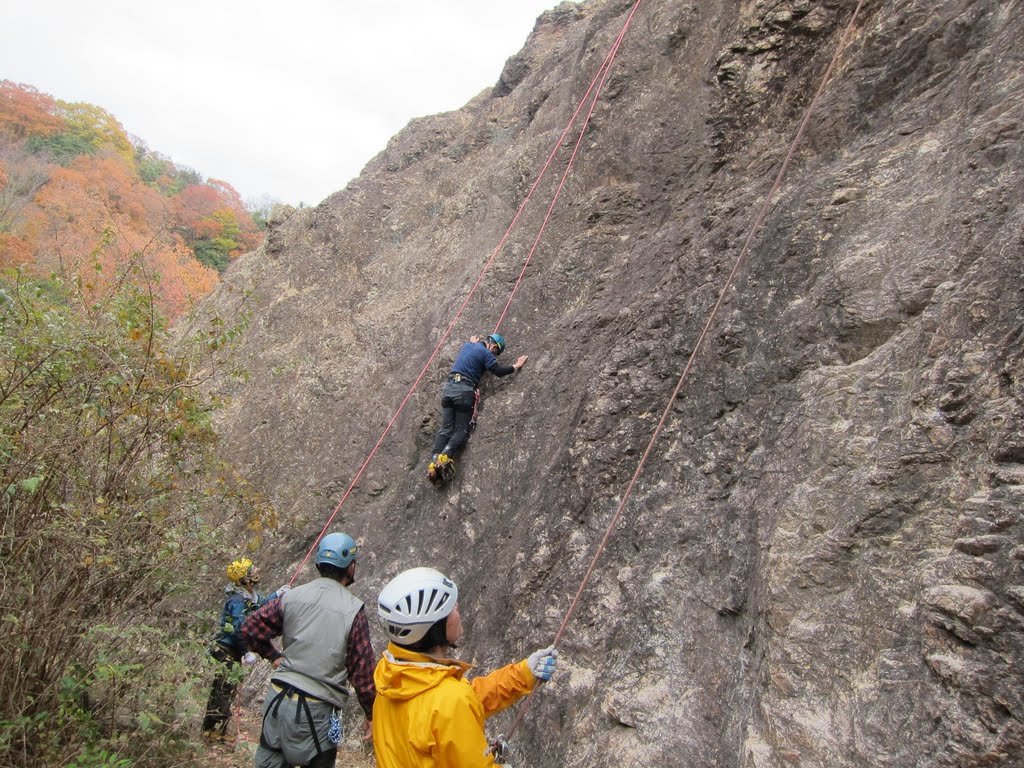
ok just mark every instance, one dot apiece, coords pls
pixel 94 220
pixel 73 201
pixel 24 111
pixel 210 210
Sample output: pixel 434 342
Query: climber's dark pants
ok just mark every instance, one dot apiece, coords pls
pixel 218 708
pixel 457 401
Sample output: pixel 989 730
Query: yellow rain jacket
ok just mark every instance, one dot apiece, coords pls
pixel 427 716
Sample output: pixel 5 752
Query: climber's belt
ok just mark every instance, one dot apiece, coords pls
pixel 289 692
pixel 459 378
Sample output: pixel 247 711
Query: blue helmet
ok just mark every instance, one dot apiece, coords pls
pixel 498 339
pixel 337 549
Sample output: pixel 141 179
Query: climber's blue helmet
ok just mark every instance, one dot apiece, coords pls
pixel 337 549
pixel 499 340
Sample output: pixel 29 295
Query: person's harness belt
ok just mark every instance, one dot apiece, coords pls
pixel 287 691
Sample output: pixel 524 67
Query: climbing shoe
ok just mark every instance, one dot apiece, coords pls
pixel 445 467
pixel 432 474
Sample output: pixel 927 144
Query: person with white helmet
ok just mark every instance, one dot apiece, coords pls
pixel 228 647
pixel 427 715
pixel 325 646
pixel 459 397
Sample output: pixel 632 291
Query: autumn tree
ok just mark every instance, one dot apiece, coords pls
pixel 161 173
pixel 85 129
pixel 23 176
pixel 24 111
pixel 112 504
pixel 214 221
pixel 96 216
pixel 81 199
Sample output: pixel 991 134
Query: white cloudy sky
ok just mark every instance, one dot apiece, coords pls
pixel 286 98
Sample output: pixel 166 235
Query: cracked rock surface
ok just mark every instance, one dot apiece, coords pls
pixel 823 561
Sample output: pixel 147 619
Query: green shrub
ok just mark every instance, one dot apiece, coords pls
pixel 113 506
pixel 61 148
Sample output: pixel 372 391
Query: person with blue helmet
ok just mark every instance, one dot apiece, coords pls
pixel 459 396
pixel 325 647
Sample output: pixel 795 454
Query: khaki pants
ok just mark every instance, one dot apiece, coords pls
pixel 295 729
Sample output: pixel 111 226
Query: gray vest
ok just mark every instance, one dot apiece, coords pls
pixel 317 620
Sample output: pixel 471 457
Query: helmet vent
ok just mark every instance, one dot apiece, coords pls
pixel 414 601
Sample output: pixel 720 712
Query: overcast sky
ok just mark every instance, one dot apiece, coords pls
pixel 286 98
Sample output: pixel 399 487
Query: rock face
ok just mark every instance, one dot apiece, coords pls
pixel 822 564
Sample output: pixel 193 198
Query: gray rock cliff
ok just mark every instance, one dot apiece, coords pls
pixel 822 564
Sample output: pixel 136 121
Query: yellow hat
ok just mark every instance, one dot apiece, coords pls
pixel 239 569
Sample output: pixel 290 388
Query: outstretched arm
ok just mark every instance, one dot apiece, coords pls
pixel 500 370
pixel 503 687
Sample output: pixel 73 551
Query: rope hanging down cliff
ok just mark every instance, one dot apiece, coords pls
pixel 595 88
pixel 498 746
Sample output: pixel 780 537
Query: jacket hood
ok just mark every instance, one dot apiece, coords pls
pixel 403 674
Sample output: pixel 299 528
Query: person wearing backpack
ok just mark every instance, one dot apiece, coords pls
pixel 228 647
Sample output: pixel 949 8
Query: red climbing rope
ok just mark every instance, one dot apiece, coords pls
pixel 603 73
pixel 696 348
pixel 599 80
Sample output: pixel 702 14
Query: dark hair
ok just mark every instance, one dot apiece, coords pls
pixel 329 571
pixel 436 635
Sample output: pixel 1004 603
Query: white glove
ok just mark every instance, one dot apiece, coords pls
pixel 250 658
pixel 282 590
pixel 542 662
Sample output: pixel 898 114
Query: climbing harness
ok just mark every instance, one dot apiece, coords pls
pixel 286 691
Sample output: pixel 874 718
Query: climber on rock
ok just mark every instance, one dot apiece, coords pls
pixel 459 398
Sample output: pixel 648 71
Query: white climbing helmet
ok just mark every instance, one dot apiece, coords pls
pixel 413 601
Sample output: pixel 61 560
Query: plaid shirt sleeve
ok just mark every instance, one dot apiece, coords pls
pixel 261 626
pixel 359 660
